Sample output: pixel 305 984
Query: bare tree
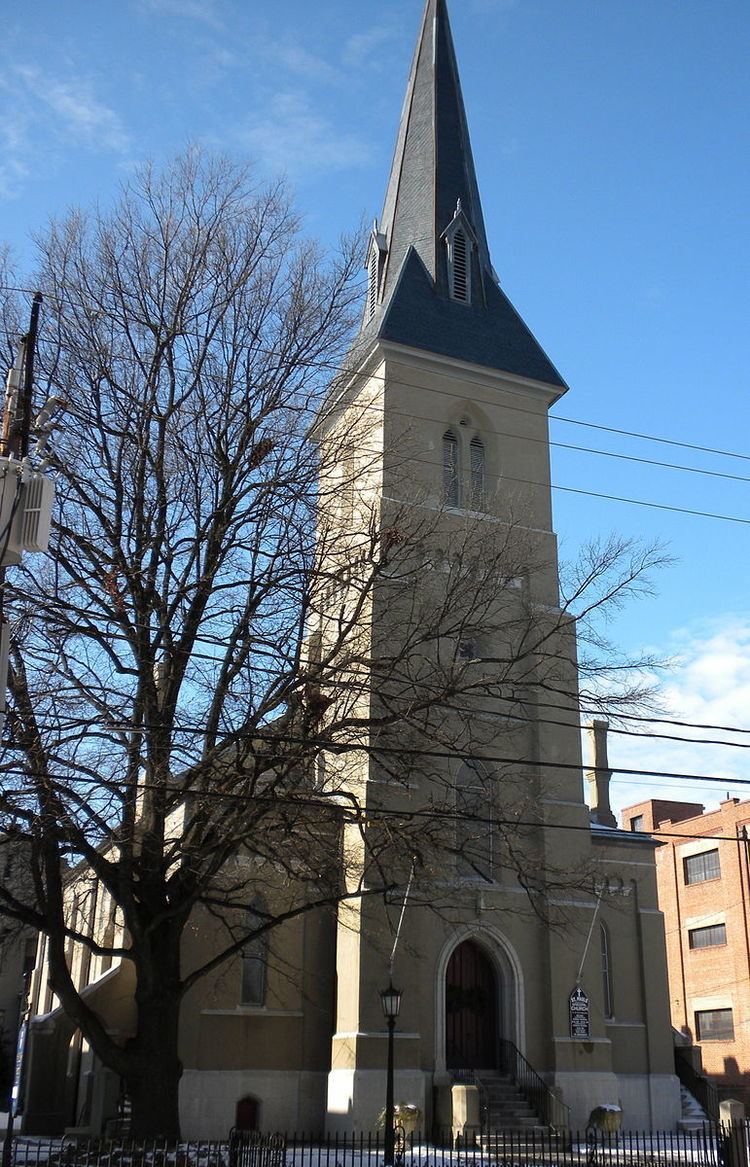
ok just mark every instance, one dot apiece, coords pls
pixel 232 627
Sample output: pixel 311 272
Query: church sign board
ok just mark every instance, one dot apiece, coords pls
pixel 579 1015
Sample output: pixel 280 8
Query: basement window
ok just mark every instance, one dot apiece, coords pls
pixel 714 1025
pixel 700 868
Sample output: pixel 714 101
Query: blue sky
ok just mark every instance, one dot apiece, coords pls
pixel 611 142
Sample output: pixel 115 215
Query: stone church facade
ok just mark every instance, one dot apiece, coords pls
pixel 454 391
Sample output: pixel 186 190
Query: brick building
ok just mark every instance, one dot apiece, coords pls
pixel 703 877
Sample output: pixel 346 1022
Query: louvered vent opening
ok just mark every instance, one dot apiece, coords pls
pixel 372 283
pixel 460 267
pixel 477 474
pixel 450 470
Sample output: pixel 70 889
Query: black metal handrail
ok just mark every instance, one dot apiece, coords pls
pixel 698 1085
pixel 551 1110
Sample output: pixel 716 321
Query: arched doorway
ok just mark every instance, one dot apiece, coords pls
pixel 247 1114
pixel 471 1009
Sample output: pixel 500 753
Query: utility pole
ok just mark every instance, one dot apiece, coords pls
pixel 26 494
pixel 26 497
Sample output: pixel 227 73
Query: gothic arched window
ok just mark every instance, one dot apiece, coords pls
pixel 609 1003
pixel 477 474
pixel 473 832
pixel 254 959
pixel 451 494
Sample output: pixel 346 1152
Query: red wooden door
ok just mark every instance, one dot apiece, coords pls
pixel 246 1118
pixel 470 1010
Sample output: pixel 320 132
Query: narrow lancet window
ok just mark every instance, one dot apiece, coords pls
pixel 254 959
pixel 477 474
pixel 473 835
pixel 609 1004
pixel 450 470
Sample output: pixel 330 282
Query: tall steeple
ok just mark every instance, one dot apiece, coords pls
pixel 432 285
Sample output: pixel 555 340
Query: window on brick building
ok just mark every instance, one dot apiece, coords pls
pixel 714 1025
pixel 700 868
pixel 708 937
pixel 636 823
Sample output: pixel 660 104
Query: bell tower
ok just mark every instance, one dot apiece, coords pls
pixel 448 400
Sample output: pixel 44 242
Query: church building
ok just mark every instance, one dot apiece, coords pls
pixel 532 945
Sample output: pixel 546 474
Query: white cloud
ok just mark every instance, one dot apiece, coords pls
pixel 293 137
pixel 360 49
pixel 709 685
pixel 302 63
pixel 79 114
pixel 483 6
pixel 13 150
pixel 44 114
pixel 199 11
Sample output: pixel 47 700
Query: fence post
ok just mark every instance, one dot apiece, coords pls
pixel 733 1140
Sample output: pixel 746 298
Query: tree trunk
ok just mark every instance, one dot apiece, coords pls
pixel 153 1082
pixel 152 1078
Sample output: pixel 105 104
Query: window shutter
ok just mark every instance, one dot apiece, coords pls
pixel 460 267
pixel 372 282
pixel 477 474
pixel 450 470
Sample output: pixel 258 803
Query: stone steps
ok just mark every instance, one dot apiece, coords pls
pixel 693 1114
pixel 507 1108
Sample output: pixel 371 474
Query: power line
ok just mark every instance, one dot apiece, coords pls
pixel 701 471
pixel 358 812
pixel 605 496
pixel 334 368
pixel 327 745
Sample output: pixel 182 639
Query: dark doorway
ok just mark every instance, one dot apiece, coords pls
pixel 470 1010
pixel 247 1114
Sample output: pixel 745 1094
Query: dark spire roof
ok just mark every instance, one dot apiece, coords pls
pixel 432 170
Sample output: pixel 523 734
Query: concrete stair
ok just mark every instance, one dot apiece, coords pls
pixel 507 1108
pixel 693 1114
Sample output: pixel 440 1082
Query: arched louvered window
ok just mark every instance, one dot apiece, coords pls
pixel 373 281
pixel 477 474
pixel 460 268
pixel 451 495
pixel 254 959
pixel 609 1002
pixel 473 833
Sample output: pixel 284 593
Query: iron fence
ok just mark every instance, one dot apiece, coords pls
pixel 710 1146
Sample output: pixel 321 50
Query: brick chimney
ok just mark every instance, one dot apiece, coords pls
pixel 599 777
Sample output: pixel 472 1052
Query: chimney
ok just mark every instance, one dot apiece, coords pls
pixel 599 777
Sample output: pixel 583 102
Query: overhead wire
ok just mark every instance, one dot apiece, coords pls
pixel 341 802
pixel 328 745
pixel 353 373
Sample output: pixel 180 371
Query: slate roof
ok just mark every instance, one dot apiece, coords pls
pixel 432 169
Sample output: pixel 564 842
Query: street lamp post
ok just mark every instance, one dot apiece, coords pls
pixel 390 999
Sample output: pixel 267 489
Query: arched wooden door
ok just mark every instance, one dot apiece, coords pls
pixel 471 1010
pixel 247 1114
